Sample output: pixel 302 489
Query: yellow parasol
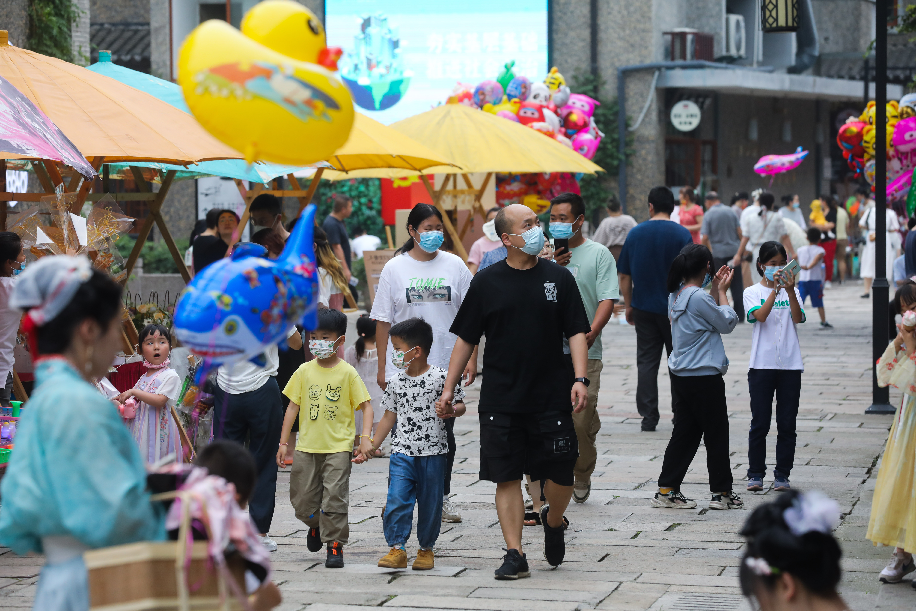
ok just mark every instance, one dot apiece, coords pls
pixel 477 141
pixel 373 145
pixel 105 118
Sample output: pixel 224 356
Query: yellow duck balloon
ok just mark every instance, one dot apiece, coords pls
pixel 268 90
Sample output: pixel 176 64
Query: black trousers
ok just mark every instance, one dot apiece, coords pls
pixel 653 332
pixel 701 414
pixel 257 416
pixel 450 457
pixel 762 385
pixel 737 286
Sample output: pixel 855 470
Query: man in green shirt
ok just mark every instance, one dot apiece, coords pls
pixel 595 271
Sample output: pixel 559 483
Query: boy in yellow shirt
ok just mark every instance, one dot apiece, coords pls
pixel 329 392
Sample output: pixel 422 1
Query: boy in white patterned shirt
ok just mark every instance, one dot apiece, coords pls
pixel 416 472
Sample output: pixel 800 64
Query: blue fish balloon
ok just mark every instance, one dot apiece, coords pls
pixel 239 306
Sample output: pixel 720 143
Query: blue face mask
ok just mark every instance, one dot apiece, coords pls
pixel 706 281
pixel 562 231
pixel 430 241
pixel 534 241
pixel 770 271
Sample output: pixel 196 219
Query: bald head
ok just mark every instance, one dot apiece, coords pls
pixel 513 219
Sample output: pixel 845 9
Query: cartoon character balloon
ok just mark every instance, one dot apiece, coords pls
pixel 540 94
pixel 530 112
pixel 488 92
pixel 519 88
pixel 904 141
pixel 554 79
pixel 239 306
pixel 585 144
pixel 849 139
pixel 267 90
pixel 560 96
pixel 581 102
pixel 506 76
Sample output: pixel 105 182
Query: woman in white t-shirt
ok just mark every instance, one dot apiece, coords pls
pixel 891 242
pixel 424 282
pixel 762 226
pixel 773 306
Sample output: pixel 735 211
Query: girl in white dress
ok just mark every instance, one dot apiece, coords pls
pixel 867 264
pixel 154 429
pixel 363 356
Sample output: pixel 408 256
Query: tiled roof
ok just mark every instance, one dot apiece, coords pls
pixel 129 43
pixel 901 63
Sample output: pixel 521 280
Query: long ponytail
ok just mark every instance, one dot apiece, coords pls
pixel 766 202
pixel 417 215
pixel 688 263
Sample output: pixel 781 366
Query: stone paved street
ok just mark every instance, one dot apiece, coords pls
pixel 621 553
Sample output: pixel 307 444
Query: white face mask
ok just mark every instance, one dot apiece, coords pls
pixel 322 348
pixel 489 230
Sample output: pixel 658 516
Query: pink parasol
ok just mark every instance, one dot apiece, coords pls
pixel 26 132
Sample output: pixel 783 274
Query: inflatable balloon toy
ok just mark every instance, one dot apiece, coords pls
pixel 560 97
pixel 239 306
pixel 267 91
pixel 904 141
pixel 868 141
pixel 585 144
pixel 776 164
pixel 554 79
pixel 582 103
pixel 507 105
pixel 540 94
pixel 551 119
pixel 530 112
pixel 868 171
pixel 487 92
pixel 893 115
pixel 519 89
pixel 505 114
pixel 907 106
pixel 461 94
pixel 536 203
pixel 900 186
pixel 849 139
pixel 564 140
pixel 575 121
pixel 506 76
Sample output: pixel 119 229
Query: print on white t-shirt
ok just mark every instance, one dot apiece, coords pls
pixel 775 344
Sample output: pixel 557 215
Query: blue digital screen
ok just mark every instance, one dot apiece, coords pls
pixel 404 57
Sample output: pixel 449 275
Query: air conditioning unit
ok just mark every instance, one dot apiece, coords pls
pixel 735 38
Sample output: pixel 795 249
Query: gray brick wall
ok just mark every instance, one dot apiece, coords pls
pixel 120 11
pixel 80 33
pixel 843 25
pixel 14 18
pixel 159 38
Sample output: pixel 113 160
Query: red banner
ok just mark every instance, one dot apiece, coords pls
pixel 402 194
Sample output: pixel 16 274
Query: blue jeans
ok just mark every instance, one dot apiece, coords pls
pixel 763 384
pixel 420 480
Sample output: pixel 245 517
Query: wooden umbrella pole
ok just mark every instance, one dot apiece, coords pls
pixel 449 227
pixel 477 206
pixel 248 195
pixel 86 186
pixel 43 179
pixel 147 225
pixel 53 173
pixel 313 186
pixel 19 389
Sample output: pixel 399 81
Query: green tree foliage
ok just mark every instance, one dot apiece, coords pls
pixel 908 21
pixel 156 256
pixel 366 194
pixel 50 26
pixel 597 189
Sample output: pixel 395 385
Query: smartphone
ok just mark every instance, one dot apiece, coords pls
pixel 792 268
pixel 558 244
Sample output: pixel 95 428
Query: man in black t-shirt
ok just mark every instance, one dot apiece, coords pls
pixel 525 306
pixel 208 247
pixel 336 229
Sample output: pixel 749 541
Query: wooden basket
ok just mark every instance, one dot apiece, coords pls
pixel 164 576
pixel 148 577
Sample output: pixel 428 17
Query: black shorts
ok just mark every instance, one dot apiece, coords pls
pixel 543 445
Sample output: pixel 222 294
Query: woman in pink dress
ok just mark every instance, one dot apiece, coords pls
pixel 691 214
pixel 155 393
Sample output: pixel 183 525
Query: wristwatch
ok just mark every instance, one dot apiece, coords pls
pixel 584 381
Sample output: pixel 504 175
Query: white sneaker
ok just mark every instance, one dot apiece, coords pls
pixel 901 563
pixel 581 491
pixel 449 513
pixel 828 285
pixel 673 500
pixel 728 500
pixel 268 543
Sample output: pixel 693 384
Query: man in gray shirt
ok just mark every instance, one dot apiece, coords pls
pixel 722 235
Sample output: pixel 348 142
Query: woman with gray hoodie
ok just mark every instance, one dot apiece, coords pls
pixel 697 365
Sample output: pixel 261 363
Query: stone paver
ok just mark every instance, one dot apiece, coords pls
pixel 621 554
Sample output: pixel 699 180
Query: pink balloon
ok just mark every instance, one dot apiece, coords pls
pixel 770 165
pixel 900 186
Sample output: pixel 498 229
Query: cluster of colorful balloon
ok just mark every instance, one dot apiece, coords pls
pixel 857 141
pixel 548 107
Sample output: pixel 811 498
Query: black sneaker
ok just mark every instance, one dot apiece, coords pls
pixel 826 325
pixel 515 566
pixel 554 540
pixel 335 556
pixel 313 540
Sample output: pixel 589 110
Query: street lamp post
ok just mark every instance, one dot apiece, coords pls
pixel 880 289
